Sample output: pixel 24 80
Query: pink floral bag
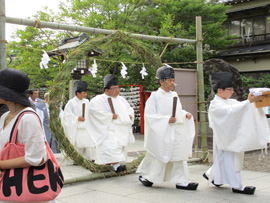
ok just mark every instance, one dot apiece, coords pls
pixel 32 184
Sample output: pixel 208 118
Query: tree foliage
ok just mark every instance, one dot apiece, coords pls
pixel 27 51
pixel 249 82
pixel 169 18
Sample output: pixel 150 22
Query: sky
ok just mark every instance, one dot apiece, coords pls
pixel 24 9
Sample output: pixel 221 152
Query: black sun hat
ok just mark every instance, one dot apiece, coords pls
pixel 14 85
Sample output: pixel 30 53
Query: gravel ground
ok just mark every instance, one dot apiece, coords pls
pixel 252 162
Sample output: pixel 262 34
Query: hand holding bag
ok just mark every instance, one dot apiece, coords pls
pixel 31 184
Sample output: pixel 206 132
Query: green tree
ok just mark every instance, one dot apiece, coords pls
pixel 250 82
pixel 28 48
pixel 172 18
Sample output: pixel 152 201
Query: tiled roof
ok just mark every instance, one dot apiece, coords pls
pixel 260 49
pixel 71 43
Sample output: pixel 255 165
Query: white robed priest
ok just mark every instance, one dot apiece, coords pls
pixel 111 124
pixel 75 122
pixel 168 138
pixel 237 127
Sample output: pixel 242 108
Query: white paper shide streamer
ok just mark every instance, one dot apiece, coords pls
pixel 44 60
pixel 94 69
pixel 143 72
pixel 123 70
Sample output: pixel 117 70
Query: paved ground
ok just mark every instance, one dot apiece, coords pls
pixel 127 189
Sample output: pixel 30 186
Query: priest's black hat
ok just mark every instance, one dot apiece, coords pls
pixel 14 86
pixel 164 73
pixel 110 80
pixel 222 80
pixel 80 86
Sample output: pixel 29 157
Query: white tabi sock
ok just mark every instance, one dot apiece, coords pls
pixel 115 166
pixel 142 178
pixel 242 188
pixel 182 184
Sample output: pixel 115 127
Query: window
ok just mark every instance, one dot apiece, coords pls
pixel 251 29
pixel 246 27
pixel 267 24
pixel 81 64
pixel 234 27
pixel 259 25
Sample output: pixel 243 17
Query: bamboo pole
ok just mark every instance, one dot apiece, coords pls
pixel 3 62
pixel 202 114
pixel 58 26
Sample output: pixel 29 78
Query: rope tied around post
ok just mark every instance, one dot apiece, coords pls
pixel 166 47
pixel 38 25
pixel 3 41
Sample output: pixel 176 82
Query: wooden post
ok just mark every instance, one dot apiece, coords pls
pixel 202 115
pixel 3 61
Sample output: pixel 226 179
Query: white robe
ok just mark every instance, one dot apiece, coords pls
pixel 111 135
pixel 168 146
pixel 77 131
pixel 237 127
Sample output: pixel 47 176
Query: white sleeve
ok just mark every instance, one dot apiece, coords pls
pixel 31 134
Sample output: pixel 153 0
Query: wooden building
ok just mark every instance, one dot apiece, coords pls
pixel 249 22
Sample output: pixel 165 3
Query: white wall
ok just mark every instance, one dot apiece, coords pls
pixel 250 64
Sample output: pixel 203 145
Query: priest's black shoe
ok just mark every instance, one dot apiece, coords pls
pixel 145 182
pixel 190 186
pixel 205 176
pixel 248 190
pixel 121 168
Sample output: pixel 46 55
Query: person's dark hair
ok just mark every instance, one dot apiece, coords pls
pixel 31 92
pixel 78 91
pixel 215 89
pixel 3 109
